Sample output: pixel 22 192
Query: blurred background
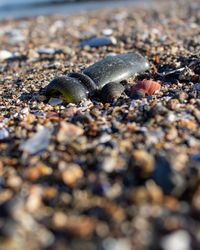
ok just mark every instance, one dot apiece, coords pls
pixel 26 8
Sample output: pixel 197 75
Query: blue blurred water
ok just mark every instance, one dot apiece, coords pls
pixel 26 8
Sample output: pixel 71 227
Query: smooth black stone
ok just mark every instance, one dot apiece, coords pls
pixel 111 91
pixel 116 68
pixel 70 88
pixel 85 80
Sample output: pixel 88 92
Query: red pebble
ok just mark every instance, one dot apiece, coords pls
pixel 149 87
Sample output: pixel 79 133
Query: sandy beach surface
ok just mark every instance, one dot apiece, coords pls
pixel 117 175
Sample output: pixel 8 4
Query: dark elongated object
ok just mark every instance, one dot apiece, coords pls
pixel 76 86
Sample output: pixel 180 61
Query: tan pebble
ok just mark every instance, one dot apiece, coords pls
pixel 34 200
pixel 154 191
pixel 44 169
pixel 14 182
pixel 72 174
pixel 171 203
pixel 32 174
pixel 172 134
pixel 68 132
pixel 5 195
pixel 50 193
pixel 140 195
pixel 60 219
pixel 144 161
pixel 115 212
pixel 81 227
pixel 188 124
pixel 102 229
pixel 172 104
pixel 40 170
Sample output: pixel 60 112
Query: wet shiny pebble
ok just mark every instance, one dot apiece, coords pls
pixel 111 91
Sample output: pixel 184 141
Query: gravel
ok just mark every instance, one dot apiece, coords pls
pixel 104 176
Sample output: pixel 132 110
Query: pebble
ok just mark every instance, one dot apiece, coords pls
pixel 47 51
pixel 119 175
pixel 14 182
pixel 197 86
pixel 143 163
pixel 55 101
pixel 98 42
pixel 4 134
pixel 116 244
pixel 181 239
pixel 72 174
pixel 5 54
pixel 107 32
pixel 38 142
pixel 68 132
pixel 15 36
pixel 163 175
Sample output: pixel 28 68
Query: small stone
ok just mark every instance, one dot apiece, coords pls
pixel 34 201
pixel 60 220
pixel 116 244
pixel 47 51
pixel 172 134
pixel 182 96
pixel 38 171
pixel 139 196
pixel 186 75
pixel 163 174
pixel 38 142
pixel 197 86
pixel 68 132
pixel 107 32
pixel 196 157
pixel 55 101
pixel 4 134
pixel 143 163
pixel 98 42
pixel 15 36
pixel 172 104
pixel 25 111
pixel 154 191
pixel 180 239
pixel 111 91
pixel 191 125
pixel 14 182
pixel 72 174
pixel 78 226
pixel 5 54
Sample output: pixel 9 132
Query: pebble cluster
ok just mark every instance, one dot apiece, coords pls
pixel 112 175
